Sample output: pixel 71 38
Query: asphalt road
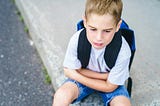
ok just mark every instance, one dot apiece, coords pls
pixel 21 70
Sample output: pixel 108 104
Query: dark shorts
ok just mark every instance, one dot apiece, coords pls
pixel 107 97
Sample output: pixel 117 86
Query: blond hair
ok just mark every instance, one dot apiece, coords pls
pixel 102 7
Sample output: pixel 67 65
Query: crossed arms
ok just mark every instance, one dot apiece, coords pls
pixel 95 80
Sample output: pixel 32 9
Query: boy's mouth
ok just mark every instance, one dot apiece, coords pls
pixel 98 44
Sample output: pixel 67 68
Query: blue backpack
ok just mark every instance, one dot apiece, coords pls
pixel 112 50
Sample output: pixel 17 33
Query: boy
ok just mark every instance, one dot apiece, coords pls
pixel 102 20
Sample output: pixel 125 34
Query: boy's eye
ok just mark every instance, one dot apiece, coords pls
pixel 92 29
pixel 107 31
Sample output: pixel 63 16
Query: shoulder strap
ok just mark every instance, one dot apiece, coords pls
pixel 84 49
pixel 111 51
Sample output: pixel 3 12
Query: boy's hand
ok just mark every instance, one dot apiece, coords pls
pixel 97 84
pixel 70 73
pixel 92 74
pixel 73 74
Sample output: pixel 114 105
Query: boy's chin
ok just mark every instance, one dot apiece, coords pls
pixel 98 47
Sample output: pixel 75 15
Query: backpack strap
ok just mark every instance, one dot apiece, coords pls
pixel 111 50
pixel 84 49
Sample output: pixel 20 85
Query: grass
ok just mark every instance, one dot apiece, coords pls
pixel 22 20
pixel 47 77
pixel 26 29
pixel 13 1
pixel 20 16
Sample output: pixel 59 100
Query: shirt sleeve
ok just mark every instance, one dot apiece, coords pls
pixel 71 61
pixel 120 72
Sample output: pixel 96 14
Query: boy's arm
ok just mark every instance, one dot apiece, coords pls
pixel 97 84
pixel 92 74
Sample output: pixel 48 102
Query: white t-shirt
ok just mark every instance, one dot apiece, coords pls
pixel 117 75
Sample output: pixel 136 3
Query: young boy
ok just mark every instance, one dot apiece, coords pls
pixel 102 20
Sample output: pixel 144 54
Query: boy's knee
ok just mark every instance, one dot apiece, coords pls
pixel 65 94
pixel 120 101
pixel 60 98
pixel 60 94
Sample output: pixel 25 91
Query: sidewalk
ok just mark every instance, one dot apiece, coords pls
pixel 54 21
pixel 142 16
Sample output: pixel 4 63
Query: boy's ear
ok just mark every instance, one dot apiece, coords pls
pixel 84 21
pixel 118 25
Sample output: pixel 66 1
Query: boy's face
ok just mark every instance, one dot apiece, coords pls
pixel 100 29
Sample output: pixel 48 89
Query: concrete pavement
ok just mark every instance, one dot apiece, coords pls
pixel 52 22
pixel 142 16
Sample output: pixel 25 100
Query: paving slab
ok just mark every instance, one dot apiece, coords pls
pixel 142 17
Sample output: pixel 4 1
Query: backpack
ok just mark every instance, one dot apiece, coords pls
pixel 84 48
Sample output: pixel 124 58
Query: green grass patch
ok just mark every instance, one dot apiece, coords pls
pixel 47 77
pixel 26 29
pixel 13 1
pixel 20 16
pixel 22 20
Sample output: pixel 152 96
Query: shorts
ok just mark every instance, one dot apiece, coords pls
pixel 107 97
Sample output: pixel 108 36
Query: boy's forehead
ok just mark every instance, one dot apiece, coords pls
pixel 103 21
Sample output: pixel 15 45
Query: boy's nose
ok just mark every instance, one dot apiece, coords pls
pixel 99 36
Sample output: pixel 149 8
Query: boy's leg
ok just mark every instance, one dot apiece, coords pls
pixel 120 101
pixel 65 94
pixel 70 92
pixel 119 97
